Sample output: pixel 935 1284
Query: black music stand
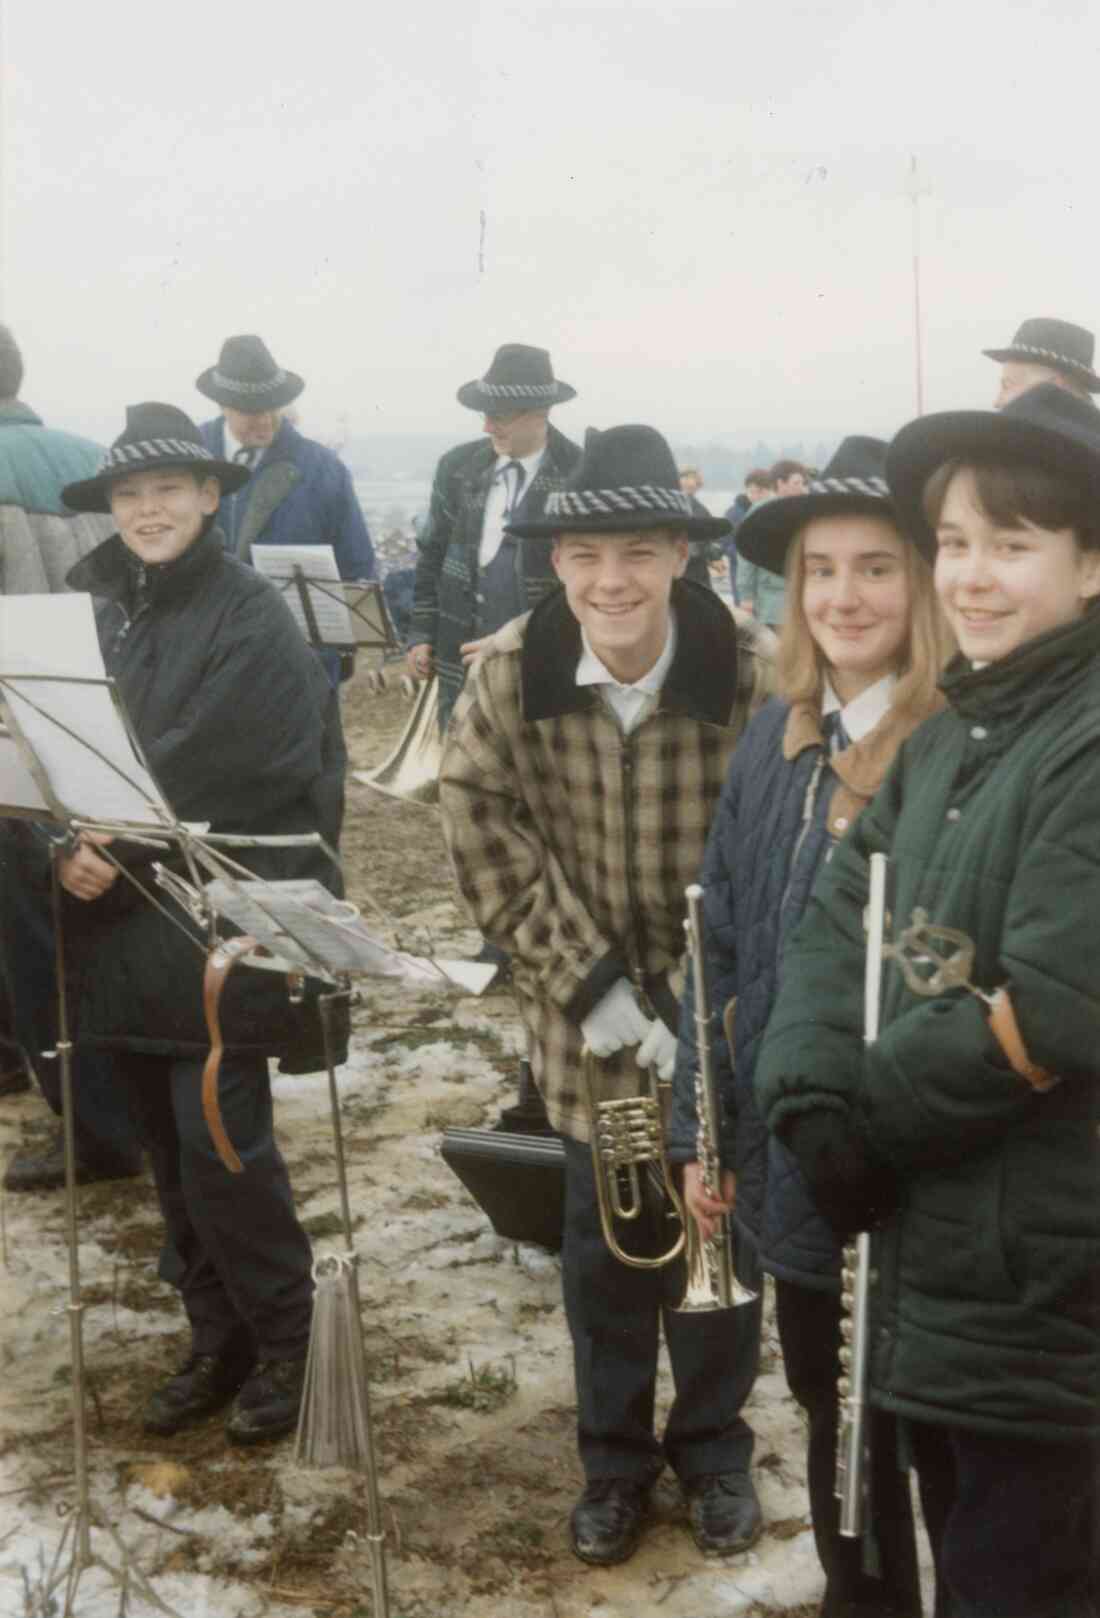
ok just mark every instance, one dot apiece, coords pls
pixel 334 614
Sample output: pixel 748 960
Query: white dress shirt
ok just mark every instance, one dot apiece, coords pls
pixel 860 716
pixel 498 506
pixel 627 702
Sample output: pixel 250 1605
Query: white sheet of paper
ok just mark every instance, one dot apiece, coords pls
pixel 330 612
pixel 303 923
pixel 74 730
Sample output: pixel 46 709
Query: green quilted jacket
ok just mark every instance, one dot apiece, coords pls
pixel 986 1299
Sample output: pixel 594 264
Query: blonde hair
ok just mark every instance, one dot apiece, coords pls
pixel 801 666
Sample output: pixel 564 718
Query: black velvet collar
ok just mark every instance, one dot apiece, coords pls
pixel 701 683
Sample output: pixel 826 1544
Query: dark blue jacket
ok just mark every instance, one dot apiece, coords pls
pixel 300 493
pixel 783 806
pixel 766 843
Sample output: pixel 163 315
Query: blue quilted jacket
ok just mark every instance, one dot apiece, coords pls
pixel 783 807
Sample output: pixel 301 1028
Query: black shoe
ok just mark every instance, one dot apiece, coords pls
pixel 724 1512
pixel 42 1168
pixel 268 1404
pixel 607 1520
pixel 202 1384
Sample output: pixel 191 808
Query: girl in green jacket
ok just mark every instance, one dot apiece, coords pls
pixel 966 1137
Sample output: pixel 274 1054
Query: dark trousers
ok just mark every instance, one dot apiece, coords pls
pixel 233 1244
pixel 101 1118
pixel 809 1332
pixel 615 1314
pixel 1011 1522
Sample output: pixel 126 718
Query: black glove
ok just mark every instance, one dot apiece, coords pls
pixel 852 1189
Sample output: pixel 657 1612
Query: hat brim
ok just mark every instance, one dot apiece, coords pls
pixel 769 529
pixel 928 443
pixel 475 397
pixel 93 494
pixel 623 522
pixel 1080 373
pixel 253 403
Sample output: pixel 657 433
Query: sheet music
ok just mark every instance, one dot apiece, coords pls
pixel 54 692
pixel 322 585
pixel 305 924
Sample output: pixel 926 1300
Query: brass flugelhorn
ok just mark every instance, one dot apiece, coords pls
pixel 712 1281
pixel 627 1140
pixel 412 769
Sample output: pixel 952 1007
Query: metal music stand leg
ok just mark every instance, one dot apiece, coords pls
pixel 376 1537
pixel 78 1528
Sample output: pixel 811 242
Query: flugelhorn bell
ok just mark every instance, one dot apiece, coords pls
pixel 412 770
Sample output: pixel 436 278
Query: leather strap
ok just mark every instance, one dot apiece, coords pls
pixel 1006 1031
pixel 219 963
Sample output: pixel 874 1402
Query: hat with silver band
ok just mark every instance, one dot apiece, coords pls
pixel 626 481
pixel 520 378
pixel 1046 426
pixel 1057 343
pixel 853 481
pixel 156 437
pixel 247 378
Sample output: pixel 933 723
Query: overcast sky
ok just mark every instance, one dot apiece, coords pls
pixel 699 208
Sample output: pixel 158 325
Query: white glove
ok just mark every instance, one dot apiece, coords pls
pixel 658 1049
pixel 616 1020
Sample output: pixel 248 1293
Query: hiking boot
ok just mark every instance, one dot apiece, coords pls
pixel 203 1383
pixel 268 1404
pixel 724 1512
pixel 42 1168
pixel 606 1524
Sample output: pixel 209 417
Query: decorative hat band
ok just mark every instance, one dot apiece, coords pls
pixel 587 502
pixel 519 390
pixel 1050 354
pixel 875 487
pixel 154 449
pixel 233 385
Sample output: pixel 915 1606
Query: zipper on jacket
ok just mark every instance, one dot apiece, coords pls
pixel 808 804
pixel 128 622
pixel 637 926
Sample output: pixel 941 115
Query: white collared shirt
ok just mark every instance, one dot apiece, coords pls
pixel 500 491
pixel 232 446
pixel 626 701
pixel 860 716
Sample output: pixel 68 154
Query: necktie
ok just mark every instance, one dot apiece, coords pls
pixel 515 485
pixel 246 457
pixel 833 733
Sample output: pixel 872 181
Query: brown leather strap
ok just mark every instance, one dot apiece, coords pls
pixel 219 963
pixel 1006 1031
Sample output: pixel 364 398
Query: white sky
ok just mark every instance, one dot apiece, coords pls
pixel 699 208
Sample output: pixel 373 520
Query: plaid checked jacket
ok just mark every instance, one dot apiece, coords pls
pixel 572 843
pixel 444 611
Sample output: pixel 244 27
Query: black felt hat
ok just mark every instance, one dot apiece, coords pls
pixel 520 378
pixel 626 480
pixel 1047 426
pixel 247 378
pixel 155 437
pixel 853 481
pixel 1057 343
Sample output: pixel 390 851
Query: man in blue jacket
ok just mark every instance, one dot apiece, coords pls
pixel 300 493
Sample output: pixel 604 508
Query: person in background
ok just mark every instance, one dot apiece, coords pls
pixel 759 591
pixel 964 1139
pixel 471 575
pixel 40 540
pixel 859 656
pixel 758 487
pixel 578 779
pixel 1046 351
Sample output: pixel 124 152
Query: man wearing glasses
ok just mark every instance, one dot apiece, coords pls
pixel 471 577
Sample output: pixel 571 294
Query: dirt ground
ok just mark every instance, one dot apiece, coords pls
pixel 468 1351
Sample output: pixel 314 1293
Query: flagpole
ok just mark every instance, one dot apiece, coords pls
pixel 915 194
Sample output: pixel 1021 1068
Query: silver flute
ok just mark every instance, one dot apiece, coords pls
pixel 853 1460
pixel 711 1269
